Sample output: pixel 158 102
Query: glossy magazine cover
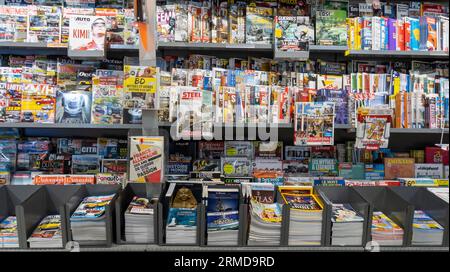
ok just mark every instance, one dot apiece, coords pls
pixel 314 123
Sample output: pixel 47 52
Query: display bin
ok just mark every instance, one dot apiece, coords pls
pixel 95 190
pixel 285 226
pixel 47 200
pixel 422 199
pixel 381 198
pixel 342 195
pixel 11 196
pixel 146 190
pixel 163 212
pixel 242 226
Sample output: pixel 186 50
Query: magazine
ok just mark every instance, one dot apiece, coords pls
pixel 236 16
pixel 87 33
pixel 330 89
pixel 373 128
pixel 66 14
pixel 293 33
pixel 48 228
pixel 257 104
pixel 8 232
pixel 140 205
pixel 85 164
pixel 146 159
pixel 344 213
pixel 44 24
pixel 14 19
pixel 73 106
pixel 259 25
pixel 314 123
pixel 181 23
pixel 38 103
pixel 141 85
pixel 270 213
pixel 222 211
pixel 279 105
pixel 91 208
pixel 331 27
pixel 219 23
pixel 302 202
pixel 111 178
pixel 189 119
pixel 115 24
pixel 236 167
pixel 107 99
pixel 166 18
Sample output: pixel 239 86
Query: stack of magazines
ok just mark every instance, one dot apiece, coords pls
pixel 8 233
pixel 385 231
pixel 347 226
pixel 139 221
pixel 181 226
pixel 222 216
pixel 305 224
pixel 48 233
pixel 88 221
pixel 265 224
pixel 426 231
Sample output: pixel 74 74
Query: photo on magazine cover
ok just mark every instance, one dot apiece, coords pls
pixel 314 123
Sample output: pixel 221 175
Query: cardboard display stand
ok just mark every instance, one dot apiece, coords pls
pixel 147 190
pixel 95 190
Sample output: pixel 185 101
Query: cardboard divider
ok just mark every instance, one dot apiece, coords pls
pixel 163 212
pixel 95 190
pixel 422 199
pixel 342 195
pixel 47 200
pixel 242 209
pixel 147 190
pixel 11 196
pixel 392 205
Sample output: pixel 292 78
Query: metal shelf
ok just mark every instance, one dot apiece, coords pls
pixel 49 49
pixel 419 130
pixel 328 48
pixel 157 248
pixel 70 126
pixel 214 46
pixel 400 54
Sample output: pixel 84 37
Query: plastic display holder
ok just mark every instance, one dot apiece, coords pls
pixel 342 195
pixel 285 224
pixel 382 199
pixel 422 199
pixel 242 226
pixel 146 190
pixel 163 212
pixel 95 190
pixel 11 196
pixel 48 200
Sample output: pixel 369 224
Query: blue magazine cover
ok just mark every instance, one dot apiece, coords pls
pixel 223 210
pixel 185 217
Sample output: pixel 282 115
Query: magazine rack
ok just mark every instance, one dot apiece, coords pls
pixel 287 217
pixel 94 190
pixel 147 190
pixel 243 208
pixel 48 200
pixel 392 205
pixel 163 212
pixel 424 200
pixel 341 195
pixel 11 196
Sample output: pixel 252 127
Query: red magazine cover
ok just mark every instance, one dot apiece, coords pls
pixel 436 155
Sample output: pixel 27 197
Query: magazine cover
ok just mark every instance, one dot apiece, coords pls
pixel 194 23
pixel 111 178
pixel 48 229
pixel 92 207
pixel 140 205
pixel 236 167
pixel 73 106
pixel 331 27
pixel 257 104
pixel 222 211
pixel 12 105
pixel 219 27
pixel 164 103
pixel 272 149
pixel 296 167
pixel 229 105
pixel 212 150
pixel 323 167
pixel 146 159
pixel 207 113
pixel 87 33
pixel 373 128
pixel 181 23
pixel 14 19
pixel 237 22
pixel 106 102
pixel 342 213
pixel 297 153
pixel 182 217
pixel 76 146
pixel 398 168
pixel 429 170
pixel 131 31
pixel 115 24
pixel 44 24
pixel 279 105
pixel 141 85
pixel 269 213
pixel 38 103
pixel 259 25
pixel 383 224
pixel 189 120
pixel 85 164
pixel 330 89
pixel 114 165
pixel 302 202
pixel 314 123
pixel 293 33
pixel 293 7
pixel 165 18
pixel 239 149
pixel 206 165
